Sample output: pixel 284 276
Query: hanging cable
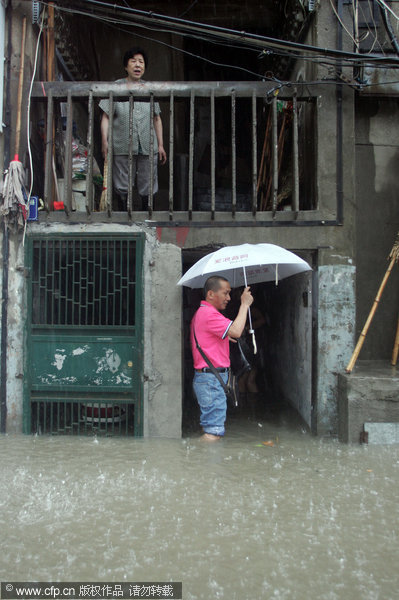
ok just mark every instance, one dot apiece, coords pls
pixel 28 122
pixel 388 8
pixel 388 27
pixel 342 23
pixel 213 32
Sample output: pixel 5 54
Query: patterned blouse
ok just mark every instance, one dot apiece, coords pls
pixel 141 125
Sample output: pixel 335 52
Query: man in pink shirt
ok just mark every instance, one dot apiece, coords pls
pixel 213 332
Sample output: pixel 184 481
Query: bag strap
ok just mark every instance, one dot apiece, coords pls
pixel 208 362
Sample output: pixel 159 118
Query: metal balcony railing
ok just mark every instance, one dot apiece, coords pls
pixel 237 152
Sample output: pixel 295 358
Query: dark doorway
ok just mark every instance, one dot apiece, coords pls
pixel 282 367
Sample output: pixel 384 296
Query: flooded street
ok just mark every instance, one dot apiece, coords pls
pixel 303 518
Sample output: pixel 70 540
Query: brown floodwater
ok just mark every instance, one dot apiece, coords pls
pixel 296 518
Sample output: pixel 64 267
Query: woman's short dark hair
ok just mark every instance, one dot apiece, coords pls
pixel 132 52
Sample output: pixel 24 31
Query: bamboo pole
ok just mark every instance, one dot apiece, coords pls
pixel 103 199
pixel 395 347
pixel 20 89
pixel 394 256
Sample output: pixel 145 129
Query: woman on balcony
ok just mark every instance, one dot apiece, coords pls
pixel 134 62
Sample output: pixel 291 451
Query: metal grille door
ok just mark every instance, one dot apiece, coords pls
pixel 84 333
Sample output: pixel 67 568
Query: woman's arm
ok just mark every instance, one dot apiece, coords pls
pixel 159 133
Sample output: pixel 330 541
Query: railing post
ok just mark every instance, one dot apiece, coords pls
pixel 171 151
pixel 191 157
pixel 274 156
pixel 213 161
pixel 130 158
pixel 295 154
pixel 233 155
pixel 89 176
pixel 49 173
pixel 110 153
pixel 151 190
pixel 254 155
pixel 68 157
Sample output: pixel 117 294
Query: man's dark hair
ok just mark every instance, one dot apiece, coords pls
pixel 132 52
pixel 213 283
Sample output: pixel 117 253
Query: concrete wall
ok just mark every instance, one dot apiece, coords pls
pixel 368 395
pixel 15 338
pixel 336 302
pixel 163 340
pixel 288 345
pixel 162 327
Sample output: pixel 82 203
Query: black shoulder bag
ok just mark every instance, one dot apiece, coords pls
pixel 231 387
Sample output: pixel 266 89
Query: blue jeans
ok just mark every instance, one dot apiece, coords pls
pixel 212 401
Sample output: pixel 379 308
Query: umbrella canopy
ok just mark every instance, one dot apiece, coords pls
pixel 245 264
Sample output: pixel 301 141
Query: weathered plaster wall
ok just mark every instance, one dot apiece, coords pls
pixel 162 329
pixel 368 395
pixel 163 336
pixel 15 338
pixel 336 318
pixel 289 343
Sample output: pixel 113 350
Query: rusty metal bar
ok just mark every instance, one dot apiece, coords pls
pixel 48 172
pixel 295 157
pixel 233 155
pixel 110 153
pixel 130 158
pixel 254 155
pixel 191 157
pixel 274 156
pixel 171 151
pixel 213 161
pixel 89 175
pixel 68 158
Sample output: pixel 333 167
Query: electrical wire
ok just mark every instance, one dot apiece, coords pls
pixel 342 23
pixel 29 100
pixel 188 9
pixel 28 120
pixel 199 57
pixel 211 32
pixel 357 58
pixel 388 8
pixel 389 29
pixel 370 4
pixel 331 64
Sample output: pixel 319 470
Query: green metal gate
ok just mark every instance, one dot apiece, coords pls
pixel 83 359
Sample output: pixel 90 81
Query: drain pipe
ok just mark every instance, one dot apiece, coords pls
pixel 4 302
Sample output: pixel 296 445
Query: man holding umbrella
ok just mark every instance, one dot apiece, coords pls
pixel 212 331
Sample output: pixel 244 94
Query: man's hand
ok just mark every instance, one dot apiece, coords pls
pixel 246 297
pixel 237 326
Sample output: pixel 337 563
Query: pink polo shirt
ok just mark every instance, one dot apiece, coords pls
pixel 211 329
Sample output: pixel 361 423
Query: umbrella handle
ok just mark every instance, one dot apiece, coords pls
pixel 251 330
pixel 249 308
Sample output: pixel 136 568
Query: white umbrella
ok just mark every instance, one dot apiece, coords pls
pixel 245 264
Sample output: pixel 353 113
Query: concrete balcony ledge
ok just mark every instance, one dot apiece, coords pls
pixel 370 394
